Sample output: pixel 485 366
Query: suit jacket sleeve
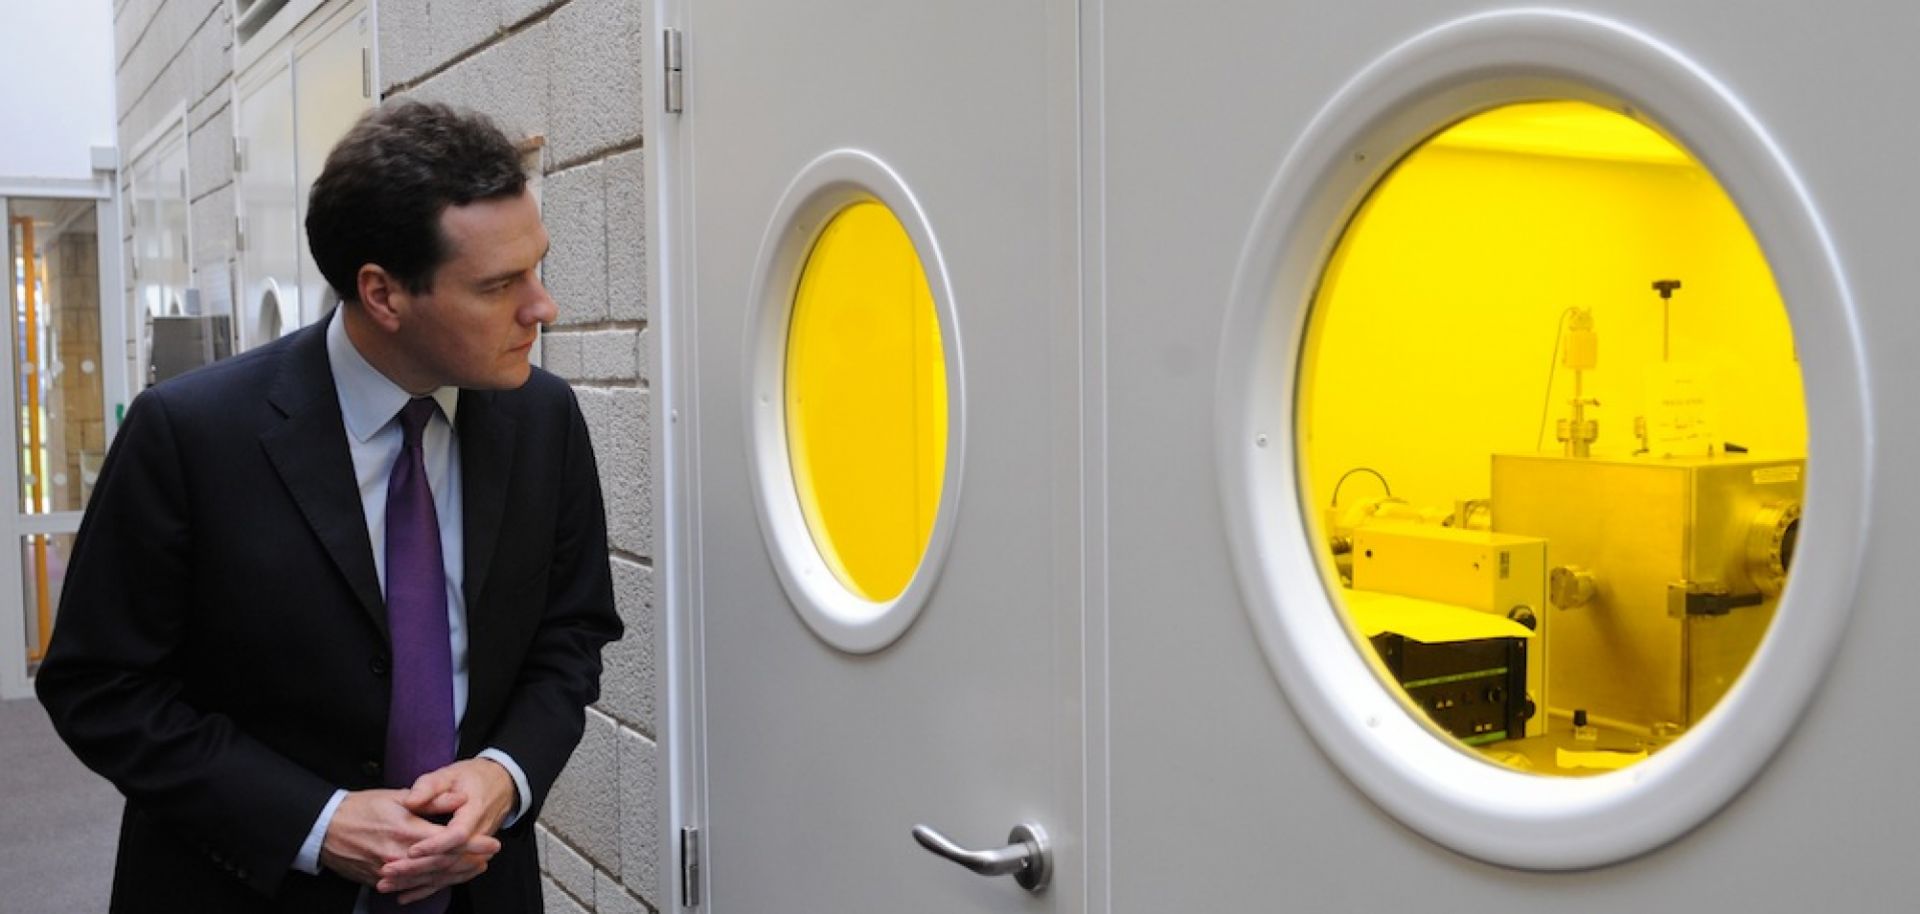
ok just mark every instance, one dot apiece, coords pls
pixel 115 678
pixel 544 714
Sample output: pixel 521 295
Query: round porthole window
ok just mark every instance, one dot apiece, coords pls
pixel 1553 413
pixel 855 413
pixel 1543 438
pixel 866 398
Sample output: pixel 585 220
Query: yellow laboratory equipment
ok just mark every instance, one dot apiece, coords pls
pixel 1580 355
pixel 1665 573
pixel 1497 573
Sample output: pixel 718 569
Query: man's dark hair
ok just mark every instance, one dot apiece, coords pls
pixel 380 196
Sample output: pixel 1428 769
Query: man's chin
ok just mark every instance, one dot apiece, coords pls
pixel 505 379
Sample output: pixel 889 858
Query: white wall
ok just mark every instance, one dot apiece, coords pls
pixel 56 86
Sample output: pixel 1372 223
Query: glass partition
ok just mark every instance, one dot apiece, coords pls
pixel 58 408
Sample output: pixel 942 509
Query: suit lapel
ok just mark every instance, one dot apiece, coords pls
pixel 309 451
pixel 486 460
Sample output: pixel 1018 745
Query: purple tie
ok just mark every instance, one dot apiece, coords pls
pixel 420 728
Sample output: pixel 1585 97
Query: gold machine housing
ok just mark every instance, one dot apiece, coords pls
pixel 1664 573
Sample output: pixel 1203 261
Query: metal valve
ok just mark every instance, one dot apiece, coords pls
pixel 1571 587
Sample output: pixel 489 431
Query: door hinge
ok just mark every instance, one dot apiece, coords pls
pixel 240 234
pixel 676 75
pixel 689 867
pixel 239 154
pixel 366 73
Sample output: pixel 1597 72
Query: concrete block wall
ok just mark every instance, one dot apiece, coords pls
pixel 569 72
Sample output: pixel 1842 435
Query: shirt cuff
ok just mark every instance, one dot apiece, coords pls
pixel 521 793
pixel 308 860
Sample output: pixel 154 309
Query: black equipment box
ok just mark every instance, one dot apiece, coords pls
pixel 1475 690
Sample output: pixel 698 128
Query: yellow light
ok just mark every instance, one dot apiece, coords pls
pixel 866 401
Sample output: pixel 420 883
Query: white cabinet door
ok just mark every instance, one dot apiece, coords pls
pixel 269 303
pixel 331 89
pixel 833 727
pixel 1242 779
pixel 296 100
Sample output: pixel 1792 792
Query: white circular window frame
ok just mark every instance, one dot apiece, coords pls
pixel 835 613
pixel 1396 103
pixel 272 301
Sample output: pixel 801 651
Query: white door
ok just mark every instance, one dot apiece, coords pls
pixel 295 101
pixel 161 232
pixel 269 297
pixel 332 87
pixel 949 695
pixel 1258 761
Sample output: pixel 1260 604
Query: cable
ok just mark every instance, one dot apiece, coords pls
pixel 1546 399
pixel 1343 481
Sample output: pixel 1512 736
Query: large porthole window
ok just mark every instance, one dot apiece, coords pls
pixel 1553 414
pixel 1386 330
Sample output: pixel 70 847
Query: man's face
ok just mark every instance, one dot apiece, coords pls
pixel 475 326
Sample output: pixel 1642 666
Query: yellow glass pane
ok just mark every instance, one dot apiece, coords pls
pixel 1560 494
pixel 866 398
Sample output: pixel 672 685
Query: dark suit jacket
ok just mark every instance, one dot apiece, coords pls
pixel 221 652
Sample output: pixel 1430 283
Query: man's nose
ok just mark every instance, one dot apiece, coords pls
pixel 542 309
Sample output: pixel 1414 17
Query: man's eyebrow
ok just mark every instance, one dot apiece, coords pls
pixel 509 274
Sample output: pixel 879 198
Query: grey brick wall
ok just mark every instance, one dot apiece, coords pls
pixel 568 71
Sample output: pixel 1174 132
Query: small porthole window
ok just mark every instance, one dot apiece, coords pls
pixel 1551 415
pixel 866 401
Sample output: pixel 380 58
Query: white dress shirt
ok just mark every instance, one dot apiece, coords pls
pixel 369 405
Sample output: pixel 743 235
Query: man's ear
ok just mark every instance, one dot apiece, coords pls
pixel 382 296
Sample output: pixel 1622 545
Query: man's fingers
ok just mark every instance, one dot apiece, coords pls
pixel 441 846
pixel 437 803
pixel 448 840
pixel 428 786
pixel 467 819
pixel 411 874
pixel 440 804
pixel 465 824
pixel 465 868
pixel 369 829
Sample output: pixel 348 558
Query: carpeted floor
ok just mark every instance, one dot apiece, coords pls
pixel 58 821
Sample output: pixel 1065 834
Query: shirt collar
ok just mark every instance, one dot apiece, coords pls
pixel 368 400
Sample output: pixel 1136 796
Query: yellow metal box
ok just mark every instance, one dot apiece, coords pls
pixel 1681 561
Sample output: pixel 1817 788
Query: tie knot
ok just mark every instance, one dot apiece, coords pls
pixel 413 419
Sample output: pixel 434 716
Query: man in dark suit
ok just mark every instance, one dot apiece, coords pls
pixel 337 604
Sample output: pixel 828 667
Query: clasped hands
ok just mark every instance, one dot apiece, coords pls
pixel 383 839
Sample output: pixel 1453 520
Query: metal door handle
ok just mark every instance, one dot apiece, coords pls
pixel 1028 856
